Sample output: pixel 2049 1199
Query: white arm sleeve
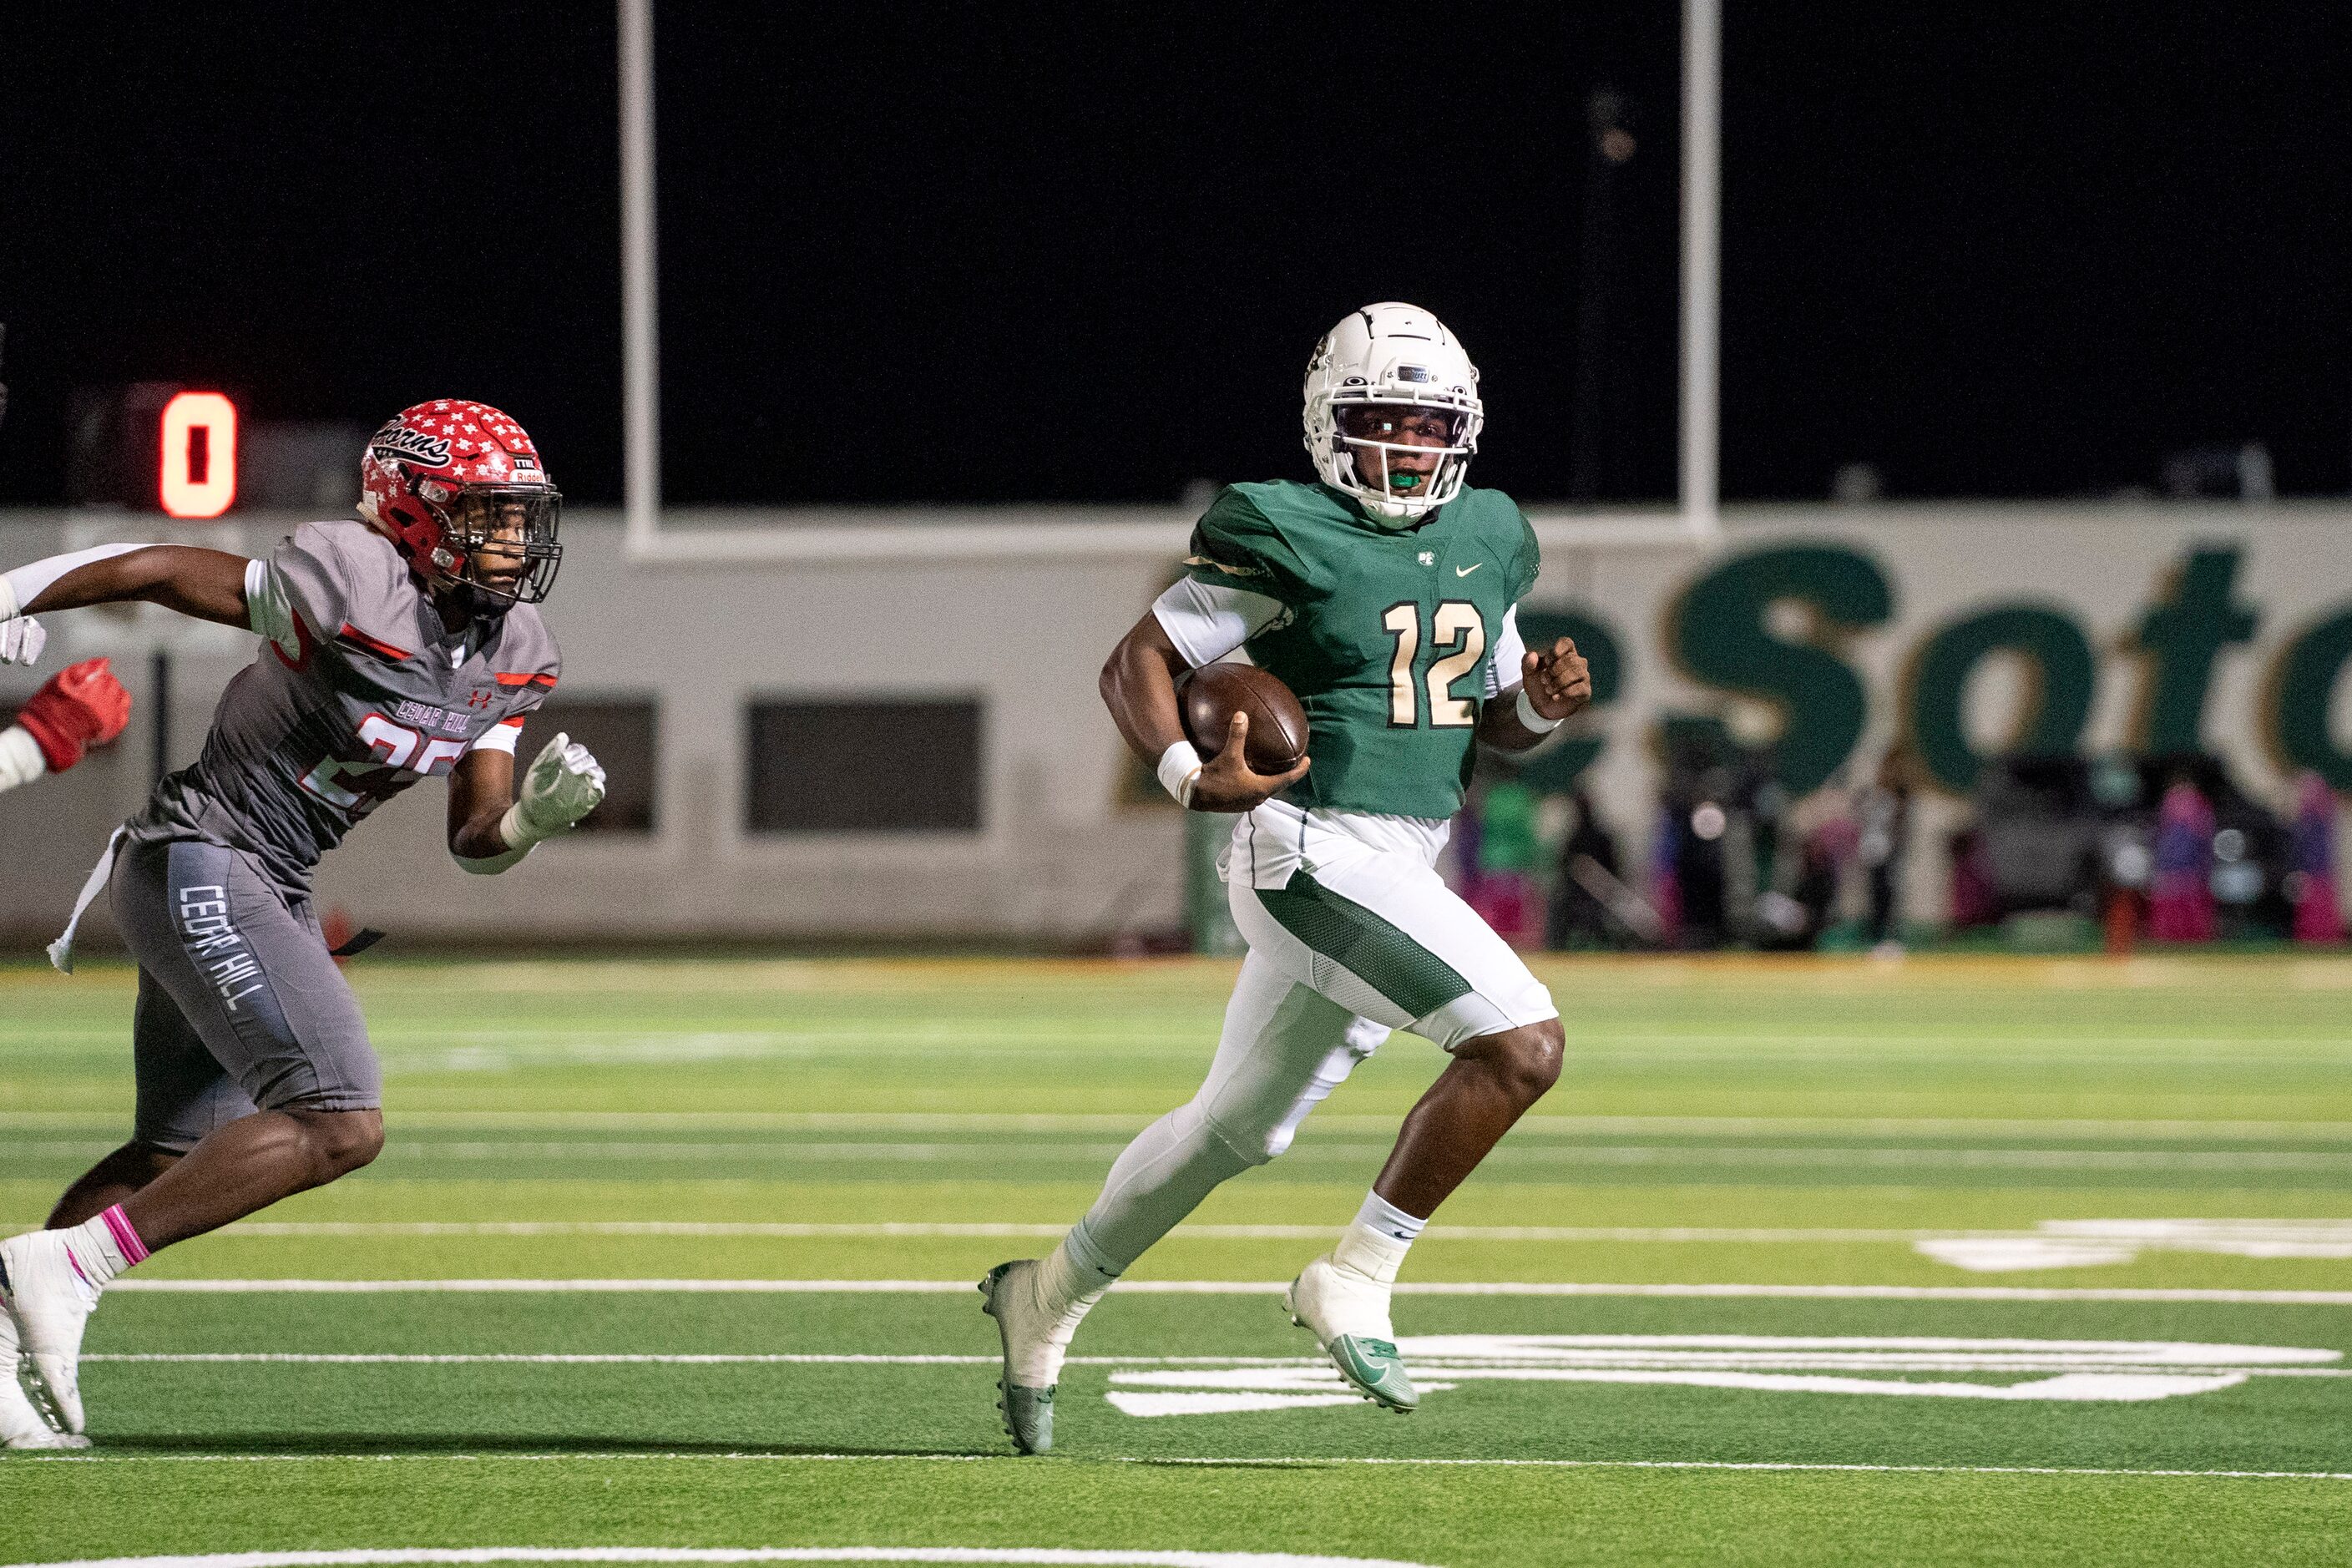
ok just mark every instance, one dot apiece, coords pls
pixel 269 607
pixel 27 584
pixel 1510 652
pixel 499 737
pixel 20 758
pixel 1207 621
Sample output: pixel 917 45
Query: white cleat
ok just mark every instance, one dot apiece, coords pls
pixel 47 1302
pixel 1347 1311
pixel 1036 1340
pixel 21 1426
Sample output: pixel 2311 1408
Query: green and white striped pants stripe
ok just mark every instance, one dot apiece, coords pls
pixel 1379 932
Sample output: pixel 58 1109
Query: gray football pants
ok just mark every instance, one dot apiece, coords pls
pixel 240 1008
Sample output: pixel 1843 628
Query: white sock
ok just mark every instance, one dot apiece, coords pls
pixel 1376 1240
pixel 102 1247
pixel 1068 1278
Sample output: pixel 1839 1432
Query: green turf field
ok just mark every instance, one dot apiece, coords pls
pixel 1943 1261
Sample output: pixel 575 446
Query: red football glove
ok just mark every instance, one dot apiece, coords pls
pixel 82 705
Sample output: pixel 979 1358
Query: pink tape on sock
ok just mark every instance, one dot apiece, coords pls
pixel 118 1225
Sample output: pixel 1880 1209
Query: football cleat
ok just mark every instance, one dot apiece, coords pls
pixel 1035 1341
pixel 21 1426
pixel 1348 1313
pixel 47 1302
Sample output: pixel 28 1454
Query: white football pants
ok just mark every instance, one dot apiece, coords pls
pixel 1370 941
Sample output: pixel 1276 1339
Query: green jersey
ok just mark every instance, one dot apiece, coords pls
pixel 1385 634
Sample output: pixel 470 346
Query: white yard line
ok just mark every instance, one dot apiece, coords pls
pixel 1768 1157
pixel 1235 1461
pixel 1222 1288
pixel 1071 1121
pixel 1072 1557
pixel 779 1359
pixel 2197 1235
pixel 789 1230
pixel 1438 1366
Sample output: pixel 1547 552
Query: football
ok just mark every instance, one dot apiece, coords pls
pixel 1277 724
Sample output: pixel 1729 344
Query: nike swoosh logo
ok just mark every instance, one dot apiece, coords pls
pixel 1465 571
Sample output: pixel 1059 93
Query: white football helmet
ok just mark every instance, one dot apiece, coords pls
pixel 1400 357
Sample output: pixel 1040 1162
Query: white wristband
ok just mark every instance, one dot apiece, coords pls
pixel 515 832
pixel 1179 765
pixel 1532 719
pixel 20 757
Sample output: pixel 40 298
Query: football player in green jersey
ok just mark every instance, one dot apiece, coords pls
pixel 1383 596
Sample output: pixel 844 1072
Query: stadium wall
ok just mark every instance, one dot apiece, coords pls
pixel 2092 626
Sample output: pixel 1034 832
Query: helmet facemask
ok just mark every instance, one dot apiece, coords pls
pixel 1392 415
pixel 1399 480
pixel 485 527
pixel 458 488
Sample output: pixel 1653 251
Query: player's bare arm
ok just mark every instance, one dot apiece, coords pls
pixel 481 788
pixel 492 826
pixel 1139 686
pixel 1556 686
pixel 208 584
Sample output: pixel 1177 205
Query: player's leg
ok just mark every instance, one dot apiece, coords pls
pixel 252 980
pixel 1283 1049
pixel 1387 924
pixel 304 1106
pixel 1491 1083
pixel 182 1093
pixel 113 1179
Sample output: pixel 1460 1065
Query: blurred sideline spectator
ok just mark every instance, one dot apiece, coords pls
pixel 1973 903
pixel 2311 881
pixel 1503 887
pixel 1587 866
pixel 1885 813
pixel 2180 905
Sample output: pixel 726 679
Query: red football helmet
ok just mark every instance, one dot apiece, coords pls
pixel 449 479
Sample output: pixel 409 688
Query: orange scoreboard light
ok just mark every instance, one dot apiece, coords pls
pixel 172 447
pixel 196 455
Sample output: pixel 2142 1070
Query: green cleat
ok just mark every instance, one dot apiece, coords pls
pixel 1376 1370
pixel 1028 1412
pixel 1348 1313
pixel 1028 1417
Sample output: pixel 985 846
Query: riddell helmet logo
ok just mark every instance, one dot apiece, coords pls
pixel 403 445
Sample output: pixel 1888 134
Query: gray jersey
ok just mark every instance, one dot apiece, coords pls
pixel 357 693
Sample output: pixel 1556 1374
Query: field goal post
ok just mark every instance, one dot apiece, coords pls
pixel 1695 521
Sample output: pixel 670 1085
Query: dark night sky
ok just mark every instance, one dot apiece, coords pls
pixel 977 253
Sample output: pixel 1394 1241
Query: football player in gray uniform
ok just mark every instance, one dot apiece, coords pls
pixel 403 645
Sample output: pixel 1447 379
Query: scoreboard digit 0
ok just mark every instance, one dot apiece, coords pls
pixel 196 455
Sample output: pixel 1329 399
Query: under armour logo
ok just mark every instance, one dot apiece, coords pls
pixel 478 700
